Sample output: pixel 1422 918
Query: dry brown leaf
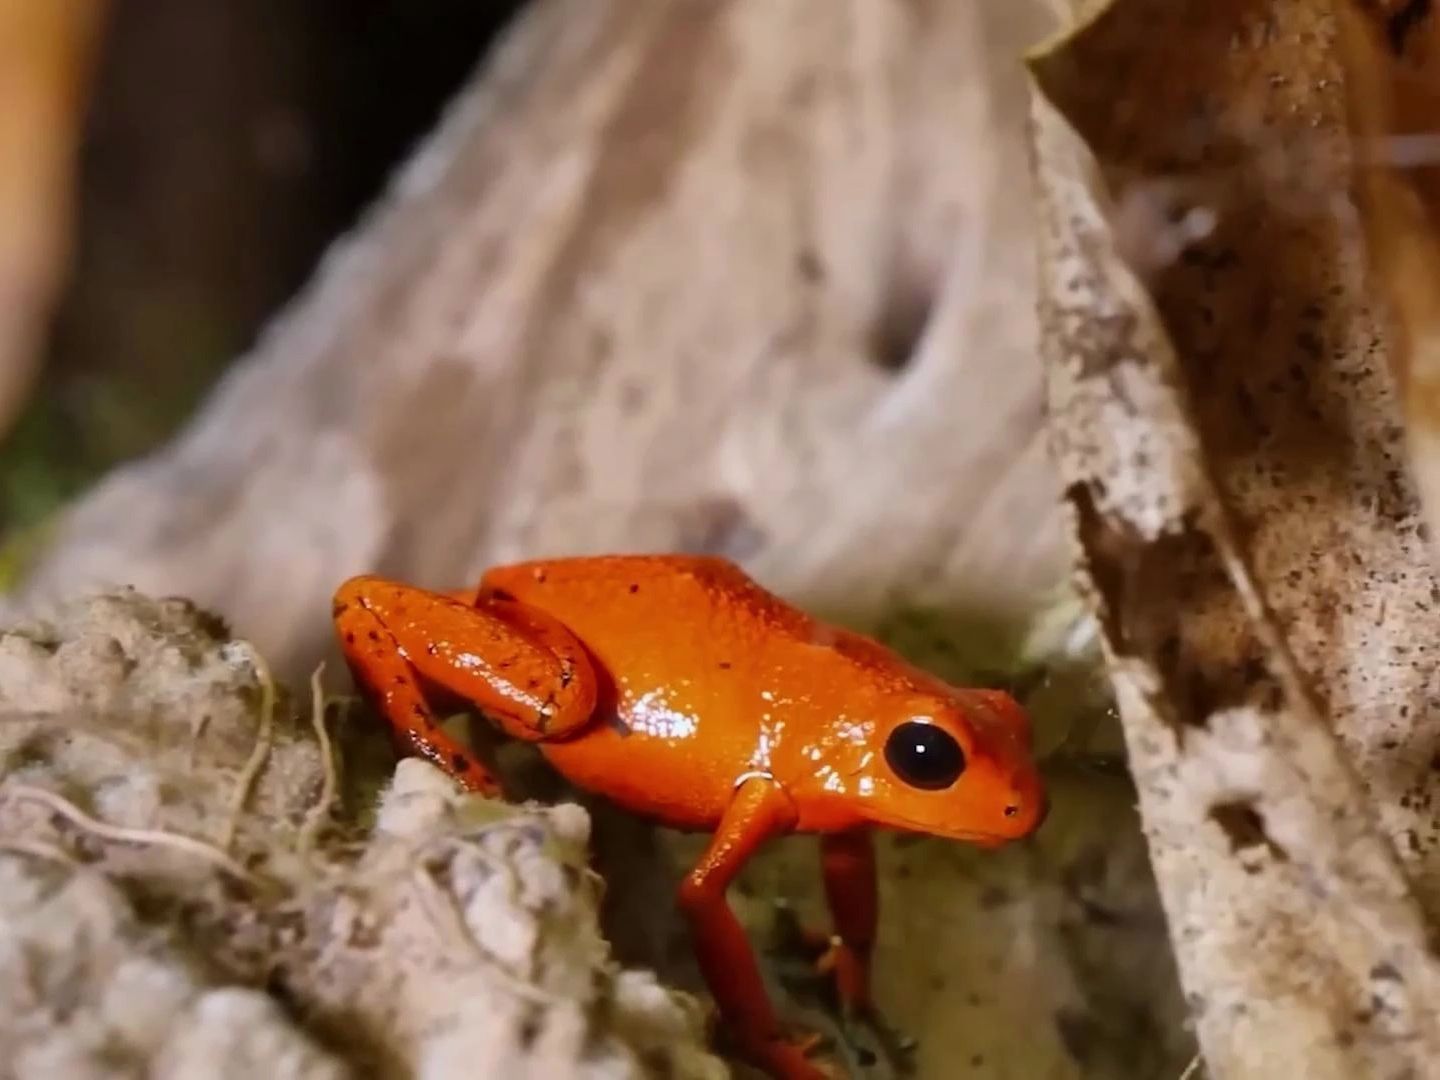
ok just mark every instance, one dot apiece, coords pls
pixel 1234 464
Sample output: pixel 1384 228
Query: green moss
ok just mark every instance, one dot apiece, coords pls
pixel 19 548
pixel 962 648
pixel 37 475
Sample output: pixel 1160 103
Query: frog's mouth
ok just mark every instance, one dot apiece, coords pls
pixel 979 837
pixel 965 836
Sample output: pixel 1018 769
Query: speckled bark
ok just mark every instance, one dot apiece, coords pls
pixel 1235 469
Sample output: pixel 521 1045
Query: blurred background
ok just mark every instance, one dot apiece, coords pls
pixel 217 148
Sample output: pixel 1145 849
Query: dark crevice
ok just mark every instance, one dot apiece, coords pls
pixel 1130 573
pixel 1245 828
pixel 1399 25
pixel 898 329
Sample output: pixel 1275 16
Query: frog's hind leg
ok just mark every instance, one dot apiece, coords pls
pixel 523 669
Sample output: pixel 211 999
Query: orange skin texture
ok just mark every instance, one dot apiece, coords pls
pixel 680 689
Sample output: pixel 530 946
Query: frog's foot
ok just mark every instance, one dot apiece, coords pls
pixel 785 1056
pixel 852 982
pixel 832 958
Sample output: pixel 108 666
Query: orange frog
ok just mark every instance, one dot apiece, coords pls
pixel 680 689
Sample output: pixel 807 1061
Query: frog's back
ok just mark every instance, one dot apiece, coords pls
pixel 683 646
pixel 623 595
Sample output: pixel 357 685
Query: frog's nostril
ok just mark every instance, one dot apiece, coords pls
pixel 1041 803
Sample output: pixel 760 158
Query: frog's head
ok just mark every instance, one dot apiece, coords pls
pixel 956 764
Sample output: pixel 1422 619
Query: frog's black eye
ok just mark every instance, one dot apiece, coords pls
pixel 924 756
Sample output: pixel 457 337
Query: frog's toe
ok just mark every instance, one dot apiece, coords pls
pixel 848 971
pixel 790 1057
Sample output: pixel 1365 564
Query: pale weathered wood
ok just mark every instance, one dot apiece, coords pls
pixel 741 276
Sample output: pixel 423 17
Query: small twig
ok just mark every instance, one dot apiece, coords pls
pixel 317 814
pixel 123 835
pixel 258 755
pixel 197 730
pixel 38 849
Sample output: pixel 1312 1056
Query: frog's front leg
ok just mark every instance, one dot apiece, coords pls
pixel 759 811
pixel 520 667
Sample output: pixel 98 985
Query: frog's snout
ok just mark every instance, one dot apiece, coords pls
pixel 1027 809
